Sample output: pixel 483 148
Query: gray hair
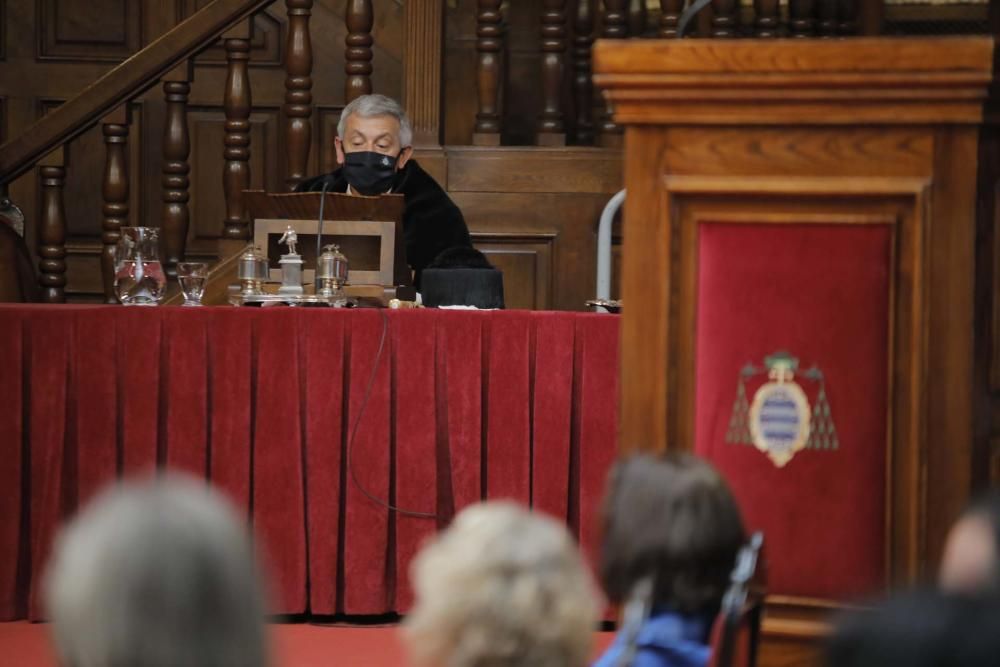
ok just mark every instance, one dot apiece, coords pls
pixel 503 586
pixel 157 573
pixel 368 106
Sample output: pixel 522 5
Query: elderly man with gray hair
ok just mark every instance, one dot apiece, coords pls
pixel 375 153
pixel 502 587
pixel 157 573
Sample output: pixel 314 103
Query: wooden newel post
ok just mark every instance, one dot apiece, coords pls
pixel 175 181
pixel 298 90
pixel 115 191
pixel 237 102
pixel 489 44
pixel 551 123
pixel 52 227
pixel 358 55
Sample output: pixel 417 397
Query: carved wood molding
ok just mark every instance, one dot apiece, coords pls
pixel 423 39
pixel 746 81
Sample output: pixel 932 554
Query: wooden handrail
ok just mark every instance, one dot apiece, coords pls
pixel 129 79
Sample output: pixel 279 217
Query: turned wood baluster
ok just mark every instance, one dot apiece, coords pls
pixel 615 27
pixel 828 23
pixel 848 11
pixel 583 89
pixel 766 20
pixel 236 104
pixel 489 44
pixel 802 17
pixel 115 192
pixel 358 54
pixel 175 181
pixel 724 18
pixel 551 126
pixel 670 14
pixel 298 90
pixel 52 228
pixel 636 18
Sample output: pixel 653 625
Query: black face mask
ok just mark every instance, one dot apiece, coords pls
pixel 369 173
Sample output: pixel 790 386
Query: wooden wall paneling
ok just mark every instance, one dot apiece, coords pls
pixel 526 192
pixel 267 40
pixel 207 134
pixel 326 156
pixel 530 170
pixel 527 264
pixel 96 31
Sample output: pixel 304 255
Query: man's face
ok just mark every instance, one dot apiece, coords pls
pixel 378 134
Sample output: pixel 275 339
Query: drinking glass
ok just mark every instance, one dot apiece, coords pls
pixel 192 277
pixel 139 277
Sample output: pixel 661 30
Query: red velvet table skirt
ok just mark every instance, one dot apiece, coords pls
pixel 462 406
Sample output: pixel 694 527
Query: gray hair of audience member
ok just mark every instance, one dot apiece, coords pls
pixel 156 573
pixel 502 586
pixel 369 106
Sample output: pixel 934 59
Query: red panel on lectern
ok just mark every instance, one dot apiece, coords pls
pixel 820 293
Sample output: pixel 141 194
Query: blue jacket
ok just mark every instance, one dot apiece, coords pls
pixel 666 639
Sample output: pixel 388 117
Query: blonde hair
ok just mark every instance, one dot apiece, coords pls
pixel 502 586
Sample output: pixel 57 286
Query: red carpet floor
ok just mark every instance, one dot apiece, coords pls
pixel 25 644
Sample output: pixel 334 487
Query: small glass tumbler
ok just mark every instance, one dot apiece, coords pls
pixel 192 277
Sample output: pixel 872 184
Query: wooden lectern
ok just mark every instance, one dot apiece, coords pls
pixel 367 229
pixel 802 213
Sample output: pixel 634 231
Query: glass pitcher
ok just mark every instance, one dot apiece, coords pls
pixel 139 277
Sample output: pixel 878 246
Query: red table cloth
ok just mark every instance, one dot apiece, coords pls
pixel 462 406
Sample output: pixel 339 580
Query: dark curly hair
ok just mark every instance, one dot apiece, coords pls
pixel 671 517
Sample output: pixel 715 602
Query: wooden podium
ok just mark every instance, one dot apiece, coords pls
pixel 368 230
pixel 851 164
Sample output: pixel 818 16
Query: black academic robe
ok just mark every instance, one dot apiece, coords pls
pixel 431 221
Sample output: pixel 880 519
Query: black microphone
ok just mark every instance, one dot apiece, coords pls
pixel 319 234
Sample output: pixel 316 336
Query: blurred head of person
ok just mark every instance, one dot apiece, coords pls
pixel 156 573
pixel 924 628
pixel 670 519
pixel 971 559
pixel 502 586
